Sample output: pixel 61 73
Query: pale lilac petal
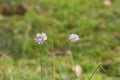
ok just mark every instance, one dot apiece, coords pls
pixel 74 37
pixel 44 36
pixel 38 34
pixel 40 38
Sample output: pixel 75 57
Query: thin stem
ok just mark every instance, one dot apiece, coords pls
pixel 41 65
pixel 10 72
pixel 94 71
pixel 75 65
pixel 53 60
pixel 74 56
pixel 74 61
pixel 41 51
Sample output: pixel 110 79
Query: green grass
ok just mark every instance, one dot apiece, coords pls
pixel 96 24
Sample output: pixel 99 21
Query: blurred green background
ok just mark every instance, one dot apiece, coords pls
pixel 97 22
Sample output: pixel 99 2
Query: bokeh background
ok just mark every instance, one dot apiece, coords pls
pixel 97 22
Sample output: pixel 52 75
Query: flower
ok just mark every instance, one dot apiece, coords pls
pixel 73 37
pixel 40 38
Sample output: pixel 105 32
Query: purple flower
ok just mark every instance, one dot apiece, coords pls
pixel 73 37
pixel 40 38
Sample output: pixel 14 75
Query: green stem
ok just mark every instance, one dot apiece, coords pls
pixel 75 65
pixel 94 71
pixel 53 60
pixel 41 62
pixel 41 65
pixel 74 58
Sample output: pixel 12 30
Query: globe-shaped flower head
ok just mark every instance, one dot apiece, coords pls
pixel 40 38
pixel 73 37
